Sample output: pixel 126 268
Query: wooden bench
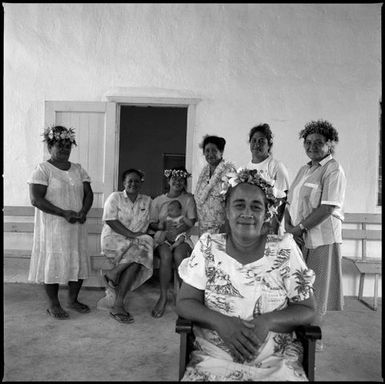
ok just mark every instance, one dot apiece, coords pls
pixel 18 227
pixel 19 222
pixel 365 264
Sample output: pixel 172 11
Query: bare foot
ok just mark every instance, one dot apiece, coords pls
pixel 57 312
pixel 159 308
pixel 110 280
pixel 79 307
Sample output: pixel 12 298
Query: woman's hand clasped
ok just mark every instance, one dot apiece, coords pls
pixel 71 216
pixel 241 337
pixel 82 217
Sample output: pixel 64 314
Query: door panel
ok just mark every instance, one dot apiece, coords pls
pixel 94 124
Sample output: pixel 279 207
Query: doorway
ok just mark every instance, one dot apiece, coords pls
pixel 152 139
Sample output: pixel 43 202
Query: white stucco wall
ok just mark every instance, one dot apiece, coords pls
pixel 284 64
pixel 249 63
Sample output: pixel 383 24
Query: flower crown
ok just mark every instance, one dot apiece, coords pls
pixel 55 133
pixel 176 173
pixel 255 177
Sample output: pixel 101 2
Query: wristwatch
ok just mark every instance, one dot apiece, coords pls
pixel 303 228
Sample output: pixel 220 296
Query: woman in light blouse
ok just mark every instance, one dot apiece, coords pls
pixel 124 242
pixel 314 214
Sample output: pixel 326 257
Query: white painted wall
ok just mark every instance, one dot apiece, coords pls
pixel 284 64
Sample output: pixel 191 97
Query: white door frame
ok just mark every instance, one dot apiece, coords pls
pixel 190 103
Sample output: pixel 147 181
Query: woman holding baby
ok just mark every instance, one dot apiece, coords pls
pixel 161 213
pixel 125 243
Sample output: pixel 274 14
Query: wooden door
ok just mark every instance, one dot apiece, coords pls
pixel 95 130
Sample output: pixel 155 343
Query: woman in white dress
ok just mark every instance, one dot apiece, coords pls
pixel 62 195
pixel 246 291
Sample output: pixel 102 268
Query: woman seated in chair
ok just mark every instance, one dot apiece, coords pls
pixel 246 291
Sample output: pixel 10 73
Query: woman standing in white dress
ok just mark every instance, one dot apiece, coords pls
pixel 62 195
pixel 261 143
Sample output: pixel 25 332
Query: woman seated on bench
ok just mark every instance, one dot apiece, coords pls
pixel 177 179
pixel 246 291
pixel 124 241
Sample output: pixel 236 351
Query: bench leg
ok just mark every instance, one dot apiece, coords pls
pixel 361 286
pixel 375 295
pixel 375 291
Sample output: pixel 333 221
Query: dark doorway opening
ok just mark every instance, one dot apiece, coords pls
pixel 152 139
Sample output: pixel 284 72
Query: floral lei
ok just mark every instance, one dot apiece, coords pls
pixel 255 177
pixel 176 173
pixel 53 134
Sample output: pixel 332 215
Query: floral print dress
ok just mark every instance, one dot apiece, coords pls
pixel 121 250
pixel 209 200
pixel 247 291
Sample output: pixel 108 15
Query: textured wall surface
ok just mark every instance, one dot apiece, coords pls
pixel 248 63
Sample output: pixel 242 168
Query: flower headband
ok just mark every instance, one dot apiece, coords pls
pixel 255 177
pixel 176 173
pixel 55 133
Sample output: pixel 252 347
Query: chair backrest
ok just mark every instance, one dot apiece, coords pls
pixel 363 234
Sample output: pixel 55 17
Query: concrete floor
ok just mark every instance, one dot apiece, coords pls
pixel 94 347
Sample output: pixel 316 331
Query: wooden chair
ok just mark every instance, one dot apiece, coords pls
pixel 364 264
pixel 307 334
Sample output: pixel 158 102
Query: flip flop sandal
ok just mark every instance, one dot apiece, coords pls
pixel 56 315
pixel 125 318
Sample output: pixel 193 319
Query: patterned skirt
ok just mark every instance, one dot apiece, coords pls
pixel 120 250
pixel 279 359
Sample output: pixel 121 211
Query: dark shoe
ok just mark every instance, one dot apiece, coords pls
pixel 125 318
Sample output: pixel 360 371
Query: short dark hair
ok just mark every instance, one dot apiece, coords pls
pixel 220 142
pixel 132 170
pixel 322 127
pixel 265 130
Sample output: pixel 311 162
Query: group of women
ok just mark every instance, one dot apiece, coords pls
pixel 262 265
